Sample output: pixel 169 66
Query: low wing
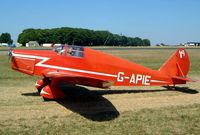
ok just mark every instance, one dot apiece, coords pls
pixel 72 79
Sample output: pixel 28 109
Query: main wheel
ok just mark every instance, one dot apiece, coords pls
pixel 40 84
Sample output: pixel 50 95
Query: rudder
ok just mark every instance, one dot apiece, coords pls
pixel 177 65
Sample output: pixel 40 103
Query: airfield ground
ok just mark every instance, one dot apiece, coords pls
pixel 121 110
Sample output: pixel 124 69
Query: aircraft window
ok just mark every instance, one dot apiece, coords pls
pixel 58 49
pixel 76 51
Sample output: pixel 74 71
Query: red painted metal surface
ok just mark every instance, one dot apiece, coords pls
pixel 84 66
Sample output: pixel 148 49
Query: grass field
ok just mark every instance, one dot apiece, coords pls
pixel 121 110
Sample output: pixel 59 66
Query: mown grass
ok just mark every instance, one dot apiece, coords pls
pixel 173 120
pixel 22 111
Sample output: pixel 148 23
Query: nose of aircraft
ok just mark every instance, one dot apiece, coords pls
pixel 21 61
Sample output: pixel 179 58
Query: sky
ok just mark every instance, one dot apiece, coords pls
pixel 161 21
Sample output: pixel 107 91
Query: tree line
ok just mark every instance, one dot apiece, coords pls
pixel 79 36
pixel 6 38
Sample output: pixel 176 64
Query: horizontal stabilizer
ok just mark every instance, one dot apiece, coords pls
pixel 184 79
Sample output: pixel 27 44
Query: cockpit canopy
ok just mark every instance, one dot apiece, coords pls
pixel 67 50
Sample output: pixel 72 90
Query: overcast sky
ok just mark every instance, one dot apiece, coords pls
pixel 161 21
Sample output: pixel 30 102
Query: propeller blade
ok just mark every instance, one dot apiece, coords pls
pixel 10 54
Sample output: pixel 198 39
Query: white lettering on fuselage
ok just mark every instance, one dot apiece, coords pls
pixel 120 77
pixel 134 78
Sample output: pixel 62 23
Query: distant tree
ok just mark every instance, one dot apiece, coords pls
pixel 124 40
pixel 6 38
pixel 137 41
pixel 146 42
pixel 28 35
pixel 78 36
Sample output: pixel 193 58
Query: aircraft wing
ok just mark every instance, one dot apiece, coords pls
pixel 73 79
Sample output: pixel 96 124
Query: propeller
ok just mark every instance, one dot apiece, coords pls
pixel 10 54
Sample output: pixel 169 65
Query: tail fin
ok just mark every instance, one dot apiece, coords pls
pixel 177 65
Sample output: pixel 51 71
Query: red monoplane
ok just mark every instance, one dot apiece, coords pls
pixel 73 65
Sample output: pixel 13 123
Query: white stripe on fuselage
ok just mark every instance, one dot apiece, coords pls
pixel 157 81
pixel 44 59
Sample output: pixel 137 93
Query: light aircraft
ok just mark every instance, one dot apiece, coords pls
pixel 77 65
